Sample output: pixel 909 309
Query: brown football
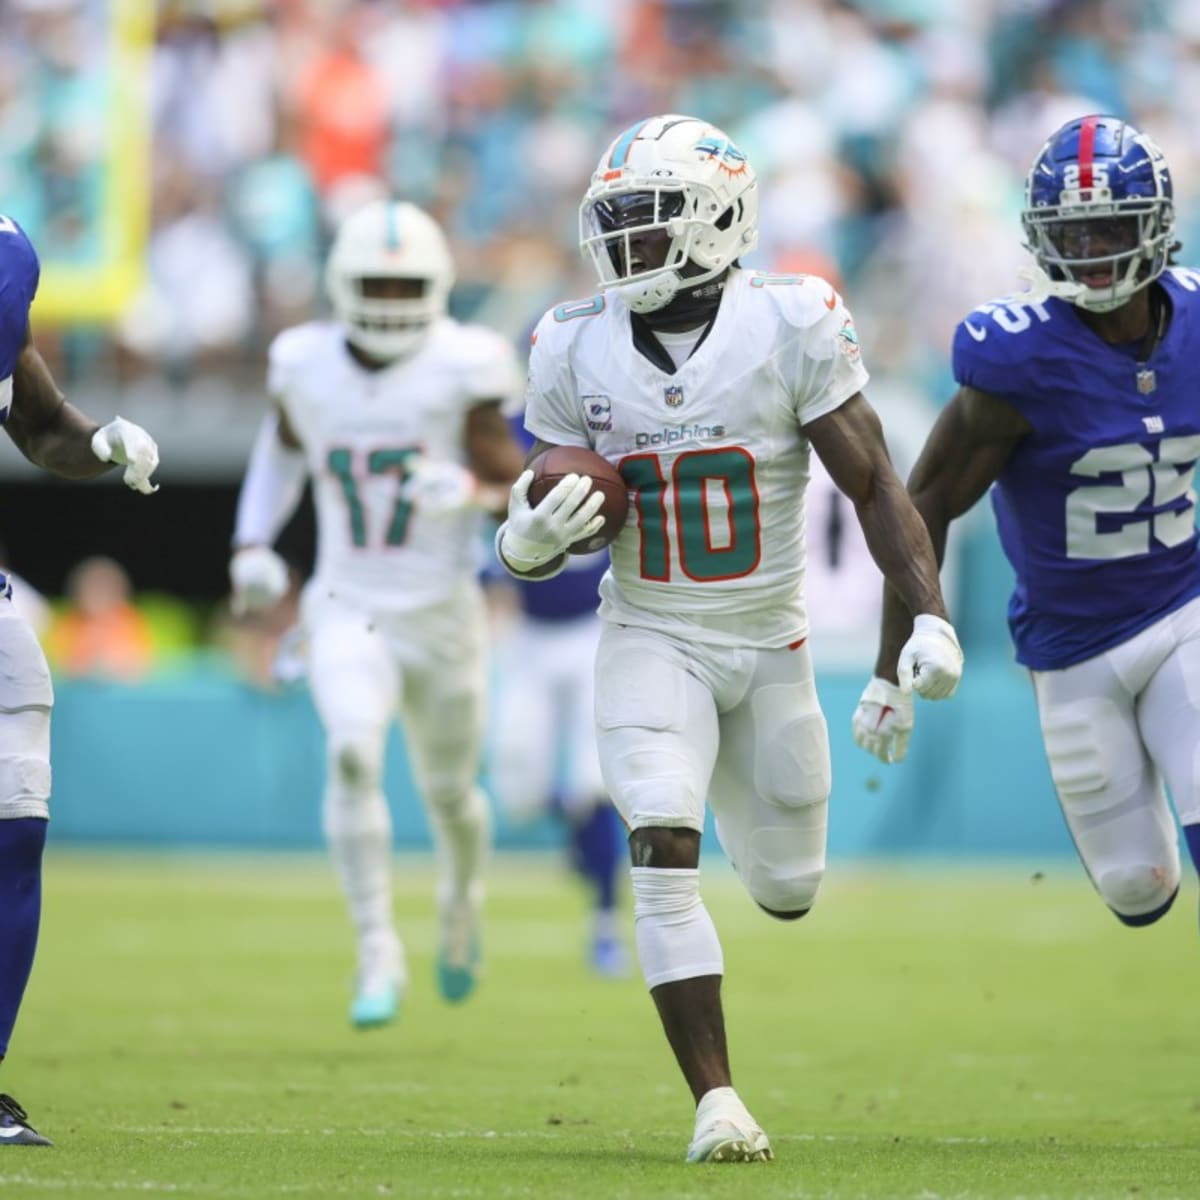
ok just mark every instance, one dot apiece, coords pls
pixel 551 465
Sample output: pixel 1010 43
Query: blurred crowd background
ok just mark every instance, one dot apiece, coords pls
pixel 891 139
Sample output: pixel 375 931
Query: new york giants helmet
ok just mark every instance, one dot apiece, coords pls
pixel 1099 215
pixel 679 175
pixel 389 276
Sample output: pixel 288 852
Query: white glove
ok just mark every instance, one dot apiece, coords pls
pixel 531 537
pixel 883 720
pixel 259 578
pixel 931 661
pixel 123 442
pixel 439 487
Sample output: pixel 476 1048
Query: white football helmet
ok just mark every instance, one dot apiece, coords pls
pixel 389 240
pixel 680 175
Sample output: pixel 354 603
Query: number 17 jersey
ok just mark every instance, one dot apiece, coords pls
pixel 1095 507
pixel 713 452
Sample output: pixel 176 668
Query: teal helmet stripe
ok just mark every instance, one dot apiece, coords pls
pixel 393 226
pixel 624 144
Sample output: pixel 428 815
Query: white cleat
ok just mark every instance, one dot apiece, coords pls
pixel 726 1132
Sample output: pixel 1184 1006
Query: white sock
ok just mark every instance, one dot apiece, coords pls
pixel 358 830
pixel 463 835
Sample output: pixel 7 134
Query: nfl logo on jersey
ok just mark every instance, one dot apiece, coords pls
pixel 673 396
pixel 1146 383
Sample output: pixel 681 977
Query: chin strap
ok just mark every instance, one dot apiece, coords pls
pixel 696 305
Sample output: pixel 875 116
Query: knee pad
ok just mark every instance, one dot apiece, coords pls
pixel 783 869
pixel 676 938
pixel 24 787
pixel 1138 893
pixel 791 766
pixel 458 805
pixel 356 761
pixel 779 854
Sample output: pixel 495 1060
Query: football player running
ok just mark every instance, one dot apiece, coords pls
pixel 707 385
pixel 1078 402
pixel 56 436
pixel 394 411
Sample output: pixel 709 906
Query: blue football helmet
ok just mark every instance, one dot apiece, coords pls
pixel 1099 215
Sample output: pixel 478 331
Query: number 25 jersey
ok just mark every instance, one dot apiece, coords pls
pixel 1095 507
pixel 713 453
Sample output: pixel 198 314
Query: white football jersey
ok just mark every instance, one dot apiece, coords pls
pixel 361 429
pixel 714 454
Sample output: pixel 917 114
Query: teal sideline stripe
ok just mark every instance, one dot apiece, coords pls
pixel 624 143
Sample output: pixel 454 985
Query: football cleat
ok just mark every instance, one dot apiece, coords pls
pixel 375 1003
pixel 15 1129
pixel 609 958
pixel 726 1132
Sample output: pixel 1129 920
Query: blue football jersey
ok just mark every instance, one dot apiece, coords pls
pixel 1095 508
pixel 18 282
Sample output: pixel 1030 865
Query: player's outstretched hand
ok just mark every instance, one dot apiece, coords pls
pixel 437 486
pixel 883 720
pixel 532 536
pixel 123 442
pixel 259 578
pixel 931 661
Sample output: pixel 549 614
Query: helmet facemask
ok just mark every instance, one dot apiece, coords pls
pixel 388 316
pixel 1098 255
pixel 389 277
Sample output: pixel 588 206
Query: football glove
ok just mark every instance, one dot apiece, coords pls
pixel 883 720
pixel 931 661
pixel 532 536
pixel 123 442
pixel 259 578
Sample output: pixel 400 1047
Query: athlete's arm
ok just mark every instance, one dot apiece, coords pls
pixel 849 441
pixel 493 456
pixel 273 484
pixel 49 431
pixel 967 449
pixel 272 488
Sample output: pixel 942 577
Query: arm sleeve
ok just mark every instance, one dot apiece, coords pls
pixel 271 490
pixel 828 366
pixel 551 412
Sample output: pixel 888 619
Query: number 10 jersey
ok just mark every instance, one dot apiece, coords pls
pixel 1095 507
pixel 714 452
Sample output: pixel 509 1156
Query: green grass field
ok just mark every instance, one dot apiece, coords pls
pixel 926 1033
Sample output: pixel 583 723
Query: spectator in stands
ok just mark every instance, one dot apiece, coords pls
pixel 101 632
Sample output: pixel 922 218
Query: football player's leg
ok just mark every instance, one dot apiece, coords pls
pixel 443 720
pixel 770 791
pixel 26 698
pixel 657 729
pixel 354 685
pixel 1169 718
pixel 1110 791
pixel 597 835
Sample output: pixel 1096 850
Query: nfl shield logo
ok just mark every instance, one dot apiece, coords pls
pixel 673 396
pixel 1146 381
